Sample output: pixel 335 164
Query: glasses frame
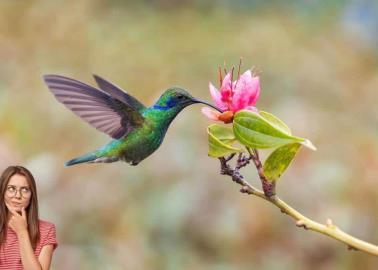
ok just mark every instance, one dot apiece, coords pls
pixel 18 190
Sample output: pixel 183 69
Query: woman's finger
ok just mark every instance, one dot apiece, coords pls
pixel 14 212
pixel 11 220
pixel 23 213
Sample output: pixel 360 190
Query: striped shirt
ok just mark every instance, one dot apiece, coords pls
pixel 10 258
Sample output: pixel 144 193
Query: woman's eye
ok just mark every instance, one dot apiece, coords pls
pixel 11 188
pixel 25 190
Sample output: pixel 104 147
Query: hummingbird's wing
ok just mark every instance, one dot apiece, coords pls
pixel 118 93
pixel 98 108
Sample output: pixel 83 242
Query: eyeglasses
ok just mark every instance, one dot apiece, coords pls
pixel 25 192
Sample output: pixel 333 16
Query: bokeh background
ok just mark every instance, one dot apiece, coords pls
pixel 318 64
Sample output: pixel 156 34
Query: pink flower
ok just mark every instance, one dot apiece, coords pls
pixel 234 96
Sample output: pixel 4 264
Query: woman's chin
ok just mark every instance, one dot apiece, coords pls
pixel 17 208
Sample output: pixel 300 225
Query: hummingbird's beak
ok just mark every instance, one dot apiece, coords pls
pixel 194 100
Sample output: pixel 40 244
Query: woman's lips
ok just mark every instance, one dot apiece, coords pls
pixel 15 204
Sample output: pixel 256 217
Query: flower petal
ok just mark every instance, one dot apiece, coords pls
pixel 226 83
pixel 216 96
pixel 252 108
pixel 211 114
pixel 226 89
pixel 253 98
pixel 247 91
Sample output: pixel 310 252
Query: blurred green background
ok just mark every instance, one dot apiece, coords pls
pixel 318 64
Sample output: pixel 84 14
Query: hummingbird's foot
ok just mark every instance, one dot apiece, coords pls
pixel 134 163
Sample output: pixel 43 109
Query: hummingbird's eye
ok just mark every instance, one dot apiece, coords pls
pixel 180 97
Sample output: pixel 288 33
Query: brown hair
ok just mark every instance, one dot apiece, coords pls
pixel 31 210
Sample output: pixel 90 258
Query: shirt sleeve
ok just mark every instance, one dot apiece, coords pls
pixel 50 238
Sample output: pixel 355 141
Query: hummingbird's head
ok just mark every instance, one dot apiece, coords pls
pixel 176 97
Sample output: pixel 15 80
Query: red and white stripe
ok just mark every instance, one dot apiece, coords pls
pixel 10 258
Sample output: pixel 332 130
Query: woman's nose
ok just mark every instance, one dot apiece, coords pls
pixel 18 194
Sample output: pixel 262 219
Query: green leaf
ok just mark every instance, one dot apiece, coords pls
pixel 221 139
pixel 275 122
pixel 279 160
pixel 264 131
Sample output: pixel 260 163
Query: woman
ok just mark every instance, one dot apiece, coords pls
pixel 25 241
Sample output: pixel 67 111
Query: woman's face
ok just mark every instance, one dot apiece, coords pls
pixel 17 194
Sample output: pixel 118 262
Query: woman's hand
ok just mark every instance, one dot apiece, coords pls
pixel 17 222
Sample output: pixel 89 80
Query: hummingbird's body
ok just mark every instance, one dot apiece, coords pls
pixel 140 143
pixel 137 131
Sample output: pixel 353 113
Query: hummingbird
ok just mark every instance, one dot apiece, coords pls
pixel 136 130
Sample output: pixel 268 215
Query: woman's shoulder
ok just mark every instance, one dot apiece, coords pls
pixel 45 225
pixel 47 233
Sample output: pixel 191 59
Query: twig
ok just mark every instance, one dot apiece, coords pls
pixel 269 188
pixel 328 229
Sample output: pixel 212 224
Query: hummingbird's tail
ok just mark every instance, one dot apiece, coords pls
pixel 91 158
pixel 82 159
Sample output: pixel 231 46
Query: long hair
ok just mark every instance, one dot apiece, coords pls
pixel 31 210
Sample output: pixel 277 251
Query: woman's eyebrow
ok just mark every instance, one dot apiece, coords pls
pixel 18 186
